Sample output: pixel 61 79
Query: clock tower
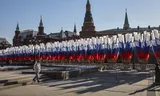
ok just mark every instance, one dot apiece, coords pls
pixel 88 28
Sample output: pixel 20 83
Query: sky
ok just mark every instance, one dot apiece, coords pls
pixel 107 14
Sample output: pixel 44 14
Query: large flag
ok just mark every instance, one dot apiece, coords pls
pixel 142 46
pixel 90 50
pixel 125 44
pixel 155 41
pixel 113 49
pixel 102 50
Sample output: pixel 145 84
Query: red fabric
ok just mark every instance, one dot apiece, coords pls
pixel 5 58
pixel 70 57
pixel 67 56
pixel 102 56
pixel 16 58
pixel 58 57
pixel 106 55
pixel 126 56
pixel 80 57
pixel 77 57
pixel 52 57
pixel 47 57
pixel 37 57
pixel 113 56
pixel 33 57
pixel 20 58
pixel 9 58
pixel 44 57
pixel 90 57
pixel 23 58
pixel 142 55
pixel 157 54
pixel 29 58
pixel 62 57
pixel 97 56
pixel 74 57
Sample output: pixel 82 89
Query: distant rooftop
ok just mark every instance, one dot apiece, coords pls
pixel 23 34
pixel 3 40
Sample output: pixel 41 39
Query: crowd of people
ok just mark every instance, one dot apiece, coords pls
pixel 91 49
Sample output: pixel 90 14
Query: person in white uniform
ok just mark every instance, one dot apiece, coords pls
pixel 37 69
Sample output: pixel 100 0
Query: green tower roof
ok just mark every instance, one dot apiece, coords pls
pixel 41 23
pixel 126 23
pixel 126 19
pixel 88 16
pixel 17 28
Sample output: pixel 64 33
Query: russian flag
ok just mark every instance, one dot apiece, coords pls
pixel 90 52
pixel 83 52
pixel 142 48
pixel 125 45
pixel 156 44
pixel 102 54
pixel 113 49
pixel 80 53
pixel 94 49
pixel 52 52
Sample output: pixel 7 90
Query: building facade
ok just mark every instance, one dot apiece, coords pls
pixel 4 43
pixel 88 30
pixel 30 36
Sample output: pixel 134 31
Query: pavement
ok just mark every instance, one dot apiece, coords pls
pixel 12 68
pixel 10 79
pixel 106 83
pixel 11 74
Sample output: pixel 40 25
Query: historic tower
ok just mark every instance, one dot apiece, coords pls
pixel 17 30
pixel 40 28
pixel 88 28
pixel 16 38
pixel 126 23
pixel 75 30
